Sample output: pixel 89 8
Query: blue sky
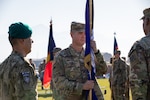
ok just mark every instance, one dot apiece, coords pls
pixel 120 16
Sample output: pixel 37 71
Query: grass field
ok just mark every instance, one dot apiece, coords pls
pixel 103 83
pixel 43 94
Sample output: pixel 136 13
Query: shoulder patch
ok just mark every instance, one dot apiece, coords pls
pixel 131 50
pixel 133 58
pixel 135 53
pixel 26 76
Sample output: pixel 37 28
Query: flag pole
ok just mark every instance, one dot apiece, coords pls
pixel 91 34
pixel 89 37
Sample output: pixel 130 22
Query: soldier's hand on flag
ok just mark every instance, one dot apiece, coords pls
pixel 93 46
pixel 89 84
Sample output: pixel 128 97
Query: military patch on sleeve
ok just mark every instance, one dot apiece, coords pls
pixel 133 58
pixel 26 77
pixel 136 56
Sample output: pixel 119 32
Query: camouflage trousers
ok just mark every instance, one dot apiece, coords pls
pixel 118 93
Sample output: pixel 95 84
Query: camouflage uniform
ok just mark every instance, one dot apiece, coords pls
pixel 140 69
pixel 41 70
pixel 41 67
pixel 17 79
pixel 69 75
pixel 127 94
pixel 119 79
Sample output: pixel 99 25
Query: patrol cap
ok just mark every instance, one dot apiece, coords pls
pixel 118 52
pixel 19 30
pixel 56 49
pixel 77 27
pixel 146 13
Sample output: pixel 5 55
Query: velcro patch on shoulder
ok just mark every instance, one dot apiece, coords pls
pixel 134 59
pixel 26 77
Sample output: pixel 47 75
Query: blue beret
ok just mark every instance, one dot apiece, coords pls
pixel 19 30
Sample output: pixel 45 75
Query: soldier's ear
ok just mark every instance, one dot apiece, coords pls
pixel 71 34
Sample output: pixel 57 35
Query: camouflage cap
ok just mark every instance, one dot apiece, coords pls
pixel 77 27
pixel 19 30
pixel 146 13
pixel 117 52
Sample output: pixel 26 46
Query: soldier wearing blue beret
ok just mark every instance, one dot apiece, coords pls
pixel 17 77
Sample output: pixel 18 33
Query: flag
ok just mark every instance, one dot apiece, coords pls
pixel 47 75
pixel 115 44
pixel 51 44
pixel 48 68
pixel 89 54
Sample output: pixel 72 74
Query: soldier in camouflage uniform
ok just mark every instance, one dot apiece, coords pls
pixel 140 63
pixel 32 63
pixel 17 76
pixel 119 77
pixel 127 94
pixel 42 66
pixel 41 70
pixel 70 77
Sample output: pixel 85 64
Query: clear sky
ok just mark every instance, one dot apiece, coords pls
pixel 120 16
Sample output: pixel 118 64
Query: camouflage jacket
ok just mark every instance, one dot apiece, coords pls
pixel 69 75
pixel 119 73
pixel 41 67
pixel 140 68
pixel 17 79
